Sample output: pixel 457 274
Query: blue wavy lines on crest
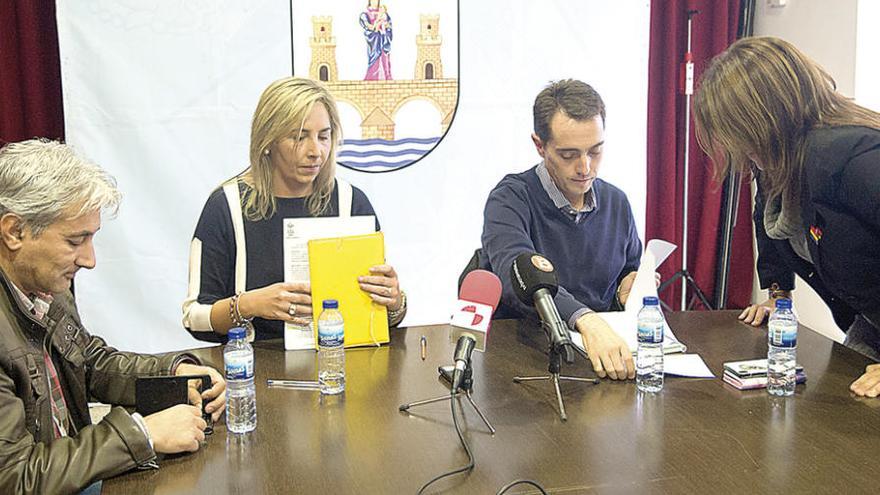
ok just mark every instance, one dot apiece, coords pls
pixel 381 154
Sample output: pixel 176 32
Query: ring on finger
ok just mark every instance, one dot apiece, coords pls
pixel 291 310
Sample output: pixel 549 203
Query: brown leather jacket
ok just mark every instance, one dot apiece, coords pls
pixel 32 460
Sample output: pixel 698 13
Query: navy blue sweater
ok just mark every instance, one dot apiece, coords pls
pixel 591 257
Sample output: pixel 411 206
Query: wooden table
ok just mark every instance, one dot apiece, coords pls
pixel 696 436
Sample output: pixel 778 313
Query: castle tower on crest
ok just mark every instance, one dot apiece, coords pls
pixel 428 43
pixel 323 44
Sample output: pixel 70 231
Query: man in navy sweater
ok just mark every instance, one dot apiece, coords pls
pixel 583 225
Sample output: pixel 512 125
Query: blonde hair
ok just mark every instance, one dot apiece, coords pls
pixel 44 181
pixel 761 97
pixel 281 111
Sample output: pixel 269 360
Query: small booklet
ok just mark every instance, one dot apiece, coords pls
pixel 334 267
pixel 752 374
pixel 759 381
pixel 750 368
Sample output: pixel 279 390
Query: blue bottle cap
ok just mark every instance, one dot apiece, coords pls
pixel 331 304
pixel 650 301
pixel 236 333
pixel 783 303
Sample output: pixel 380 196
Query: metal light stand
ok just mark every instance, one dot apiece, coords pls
pixel 729 214
pixel 684 274
pixel 467 385
pixel 554 368
pixel 732 185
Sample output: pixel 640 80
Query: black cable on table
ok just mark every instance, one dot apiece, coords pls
pixel 520 482
pixel 464 444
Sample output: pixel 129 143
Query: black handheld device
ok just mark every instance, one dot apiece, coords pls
pixel 157 393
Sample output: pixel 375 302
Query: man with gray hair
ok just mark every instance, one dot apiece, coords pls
pixel 582 224
pixel 51 203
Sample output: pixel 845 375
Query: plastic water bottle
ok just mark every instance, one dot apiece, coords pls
pixel 781 349
pixel 649 356
pixel 331 354
pixel 241 396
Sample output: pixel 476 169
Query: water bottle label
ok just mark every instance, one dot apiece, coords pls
pixel 783 335
pixel 239 368
pixel 331 335
pixel 651 333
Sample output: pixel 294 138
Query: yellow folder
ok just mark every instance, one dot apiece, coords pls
pixel 334 267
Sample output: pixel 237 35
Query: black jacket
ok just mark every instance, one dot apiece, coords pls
pixel 840 212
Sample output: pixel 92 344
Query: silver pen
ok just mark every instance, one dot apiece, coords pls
pixel 300 384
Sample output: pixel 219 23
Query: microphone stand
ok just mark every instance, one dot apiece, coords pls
pixel 555 367
pixel 466 387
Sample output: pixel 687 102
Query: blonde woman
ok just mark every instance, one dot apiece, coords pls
pixel 763 106
pixel 236 256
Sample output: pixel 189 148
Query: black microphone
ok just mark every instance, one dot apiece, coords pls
pixel 463 350
pixel 535 283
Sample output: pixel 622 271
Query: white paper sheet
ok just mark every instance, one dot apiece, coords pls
pixel 687 365
pixel 624 324
pixel 645 283
pixel 297 233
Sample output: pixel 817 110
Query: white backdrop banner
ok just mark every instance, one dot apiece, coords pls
pixel 161 92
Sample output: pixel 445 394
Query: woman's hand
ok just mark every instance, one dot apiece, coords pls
pixel 868 385
pixel 281 301
pixel 755 313
pixel 382 286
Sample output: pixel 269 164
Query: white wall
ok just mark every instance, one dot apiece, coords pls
pixel 867 83
pixel 824 30
pixel 161 93
pixel 827 32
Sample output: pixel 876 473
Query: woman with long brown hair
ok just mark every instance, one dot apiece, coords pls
pixel 765 108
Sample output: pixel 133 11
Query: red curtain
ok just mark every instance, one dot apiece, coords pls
pixel 30 72
pixel 714 29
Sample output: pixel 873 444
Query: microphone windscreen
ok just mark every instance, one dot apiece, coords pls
pixel 531 272
pixel 481 286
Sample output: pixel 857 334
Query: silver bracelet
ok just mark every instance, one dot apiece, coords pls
pixel 396 315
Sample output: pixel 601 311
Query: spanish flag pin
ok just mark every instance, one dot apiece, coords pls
pixel 815 233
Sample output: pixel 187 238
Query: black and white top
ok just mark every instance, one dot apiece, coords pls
pixel 231 254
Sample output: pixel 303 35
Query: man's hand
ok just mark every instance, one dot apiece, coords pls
pixel 607 351
pixel 216 394
pixel 176 429
pixel 626 286
pixel 868 385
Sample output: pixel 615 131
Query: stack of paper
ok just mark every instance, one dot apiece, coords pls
pixel 624 324
pixel 645 284
pixel 297 234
